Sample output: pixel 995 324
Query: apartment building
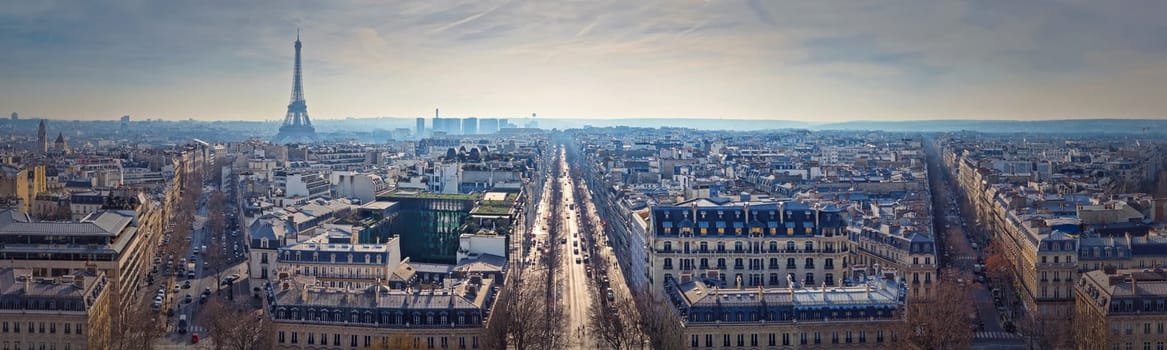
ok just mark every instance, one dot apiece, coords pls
pixel 864 316
pixel 313 317
pixel 748 244
pixel 340 264
pixel 1121 309
pixel 72 311
pixel 114 242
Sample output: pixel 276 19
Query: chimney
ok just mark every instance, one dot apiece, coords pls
pixel 1134 285
pixel 304 293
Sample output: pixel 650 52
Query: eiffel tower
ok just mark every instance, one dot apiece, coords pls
pixel 297 127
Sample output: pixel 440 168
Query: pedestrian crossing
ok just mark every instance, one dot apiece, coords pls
pixel 996 335
pixel 192 329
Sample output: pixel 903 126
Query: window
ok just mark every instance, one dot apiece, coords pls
pixel 668 264
pixel 294 337
pixel 694 341
pixel 835 337
pixel 709 340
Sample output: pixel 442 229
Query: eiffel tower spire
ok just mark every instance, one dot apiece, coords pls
pixel 297 126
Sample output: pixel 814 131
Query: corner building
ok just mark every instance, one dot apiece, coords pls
pixel 1121 309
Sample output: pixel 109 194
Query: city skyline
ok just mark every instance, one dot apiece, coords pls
pixel 748 60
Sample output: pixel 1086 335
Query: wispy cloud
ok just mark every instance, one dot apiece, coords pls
pixel 760 59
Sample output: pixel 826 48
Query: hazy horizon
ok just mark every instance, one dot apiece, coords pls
pixel 735 60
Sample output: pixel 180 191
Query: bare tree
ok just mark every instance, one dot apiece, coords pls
pixel 658 319
pixel 523 319
pixel 944 319
pixel 998 267
pixel 1050 331
pixel 605 321
pixel 235 328
pixel 136 329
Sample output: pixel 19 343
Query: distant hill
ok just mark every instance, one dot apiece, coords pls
pixel 1072 126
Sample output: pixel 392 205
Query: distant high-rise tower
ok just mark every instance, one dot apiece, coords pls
pixel 470 126
pixel 15 116
pixel 42 138
pixel 297 127
pixel 420 127
pixel 487 126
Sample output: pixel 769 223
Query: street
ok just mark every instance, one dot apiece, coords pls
pixel 575 293
pixel 205 279
pixel 956 240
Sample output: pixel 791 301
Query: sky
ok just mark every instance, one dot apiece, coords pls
pixel 816 61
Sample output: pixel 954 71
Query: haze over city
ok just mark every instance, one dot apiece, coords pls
pixel 804 61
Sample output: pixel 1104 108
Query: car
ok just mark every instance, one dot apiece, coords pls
pixel 203 299
pixel 194 338
pixel 177 288
pixel 187 299
pixel 578 260
pixel 186 285
pixel 182 324
pixel 190 274
pixel 207 291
